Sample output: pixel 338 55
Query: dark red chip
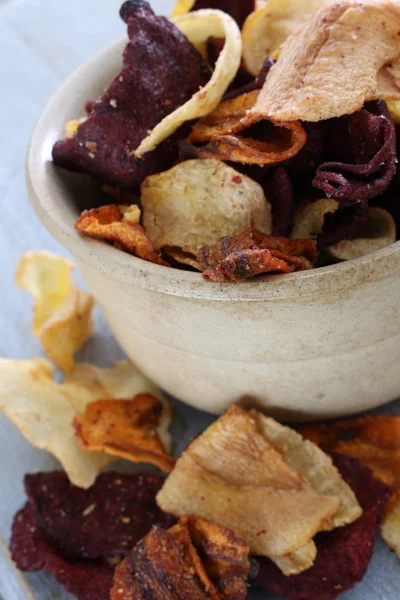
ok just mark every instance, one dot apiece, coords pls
pixel 161 71
pixel 280 193
pixel 80 535
pixel 238 9
pixel 33 550
pixel 343 554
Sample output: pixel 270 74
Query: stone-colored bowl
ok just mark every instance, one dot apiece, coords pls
pixel 315 344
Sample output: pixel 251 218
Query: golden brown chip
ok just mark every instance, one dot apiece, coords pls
pixel 109 223
pixel 126 429
pixel 390 528
pixel 347 42
pixel 62 314
pixel 229 134
pixel 198 201
pixel 233 476
pixel 71 127
pixel 309 217
pixel 194 559
pixel 183 258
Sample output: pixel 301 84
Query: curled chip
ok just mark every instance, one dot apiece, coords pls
pixel 253 253
pixel 343 554
pixel 198 28
pixel 115 225
pixel 309 217
pixel 194 559
pixel 374 441
pixel 44 411
pixel 161 71
pixel 79 536
pixel 267 28
pixel 237 9
pixel 229 134
pixel 232 475
pixel 128 429
pixel 313 78
pixel 198 201
pixel 62 314
pixel 182 258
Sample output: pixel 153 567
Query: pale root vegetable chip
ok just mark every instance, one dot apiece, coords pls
pixel 62 314
pixel 44 411
pixel 129 429
pixel 390 527
pixel 182 7
pixel 198 27
pixel 233 476
pixel 376 233
pixel 298 561
pixel 71 127
pixel 268 27
pixel 394 109
pixel 199 201
pixel 315 74
pixel 183 258
pixel 309 217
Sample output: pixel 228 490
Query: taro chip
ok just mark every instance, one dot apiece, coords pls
pixel 343 554
pixel 267 28
pixel 198 201
pixel 79 536
pixel 309 83
pixel 140 96
pixel 120 227
pixel 129 429
pixel 237 9
pixel 199 27
pixel 62 314
pixel 194 559
pixel 233 476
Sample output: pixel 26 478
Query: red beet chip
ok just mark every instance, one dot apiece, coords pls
pixel 342 224
pixel 161 71
pixel 238 9
pixel 279 191
pixel 32 550
pixel 105 521
pixel 343 554
pixel 373 143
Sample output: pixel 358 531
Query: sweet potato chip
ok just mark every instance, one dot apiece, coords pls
pixel 313 78
pixel 228 134
pixel 198 201
pixel 112 224
pixel 161 71
pixel 375 442
pixel 237 9
pixel 194 559
pixel 198 27
pixel 43 410
pixel 233 476
pixel 267 28
pixel 62 314
pixel 126 429
pixel 80 535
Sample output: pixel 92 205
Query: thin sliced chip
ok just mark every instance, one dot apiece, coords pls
pixel 233 476
pixel 390 528
pixel 62 314
pixel 182 7
pixel 237 9
pixel 109 223
pixel 71 127
pixel 394 110
pixel 298 561
pixel 194 559
pixel 198 27
pixel 198 201
pixel 377 232
pixel 44 411
pixel 267 28
pixel 229 134
pixel 127 429
pixel 309 217
pixel 313 78
pixel 183 258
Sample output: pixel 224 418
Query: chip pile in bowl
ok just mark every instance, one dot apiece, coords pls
pixel 234 122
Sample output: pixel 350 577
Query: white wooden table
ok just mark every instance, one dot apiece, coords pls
pixel 41 42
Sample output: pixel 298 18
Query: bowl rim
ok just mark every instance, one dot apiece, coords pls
pixel 131 270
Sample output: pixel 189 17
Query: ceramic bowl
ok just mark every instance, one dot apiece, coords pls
pixel 309 345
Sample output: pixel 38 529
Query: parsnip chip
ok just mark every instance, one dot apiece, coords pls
pixel 298 561
pixel 394 109
pixel 309 217
pixel 199 201
pixel 183 258
pixel 62 314
pixel 71 127
pixel 182 7
pixel 127 429
pixel 390 528
pixel 44 411
pixel 194 559
pixel 233 476
pixel 314 76
pixel 267 28
pixel 228 134
pixel 198 27
pixel 376 233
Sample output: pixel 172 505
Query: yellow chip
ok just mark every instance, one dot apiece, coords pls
pixel 394 109
pixel 71 127
pixel 198 27
pixel 62 314
pixel 182 7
